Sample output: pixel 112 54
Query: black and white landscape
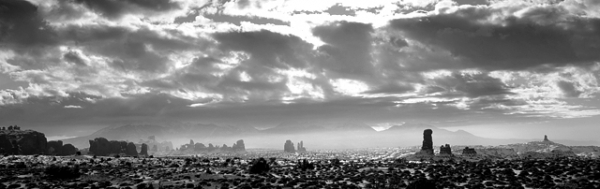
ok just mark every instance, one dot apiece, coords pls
pixel 299 93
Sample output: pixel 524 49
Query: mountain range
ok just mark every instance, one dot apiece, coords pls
pixel 315 135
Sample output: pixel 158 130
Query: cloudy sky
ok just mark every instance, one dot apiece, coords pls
pixel 497 67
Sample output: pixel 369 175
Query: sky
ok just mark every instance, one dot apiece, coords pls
pixel 497 68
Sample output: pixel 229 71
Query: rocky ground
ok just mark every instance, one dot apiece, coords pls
pixel 376 168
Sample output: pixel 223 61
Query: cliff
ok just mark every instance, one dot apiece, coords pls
pixel 25 142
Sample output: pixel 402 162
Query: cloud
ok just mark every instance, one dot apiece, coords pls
pixel 471 85
pixel 23 28
pixel 391 88
pixel 115 9
pixel 73 107
pixel 267 48
pixel 568 89
pixel 347 49
pixel 508 38
pixel 254 62
pixel 75 58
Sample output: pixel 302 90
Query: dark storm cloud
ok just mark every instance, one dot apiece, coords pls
pixel 348 48
pixel 74 57
pixel 22 28
pixel 542 36
pixel 118 8
pixel 49 111
pixel 568 89
pixel 267 48
pixel 64 10
pixel 130 50
pixel 237 20
pixel 39 112
pixel 472 85
pixel 472 2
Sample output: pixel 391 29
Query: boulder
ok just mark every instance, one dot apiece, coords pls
pixel 24 142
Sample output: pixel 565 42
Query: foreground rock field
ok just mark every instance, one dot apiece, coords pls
pixel 387 168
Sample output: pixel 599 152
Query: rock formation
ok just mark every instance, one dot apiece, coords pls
pixel 546 138
pixel 100 147
pixel 301 147
pixel 289 147
pixel 427 147
pixel 144 151
pixel 239 146
pixel 103 147
pixel 67 150
pixel 60 149
pixel 5 144
pixel 445 150
pixel 161 147
pixel 27 142
pixel 469 152
pixel 131 150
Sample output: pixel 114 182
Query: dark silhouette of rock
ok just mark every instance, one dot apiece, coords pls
pixel 289 147
pixel 546 138
pixel 54 147
pixel 131 150
pixel 102 147
pixel 469 152
pixel 427 147
pixel 99 146
pixel 58 148
pixel 115 147
pixel 144 151
pixel 5 144
pixel 123 150
pixel 445 150
pixel 67 150
pixel 27 142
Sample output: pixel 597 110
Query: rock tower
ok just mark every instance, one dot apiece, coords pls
pixel 427 147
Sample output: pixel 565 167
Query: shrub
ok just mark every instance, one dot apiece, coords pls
pixel 62 172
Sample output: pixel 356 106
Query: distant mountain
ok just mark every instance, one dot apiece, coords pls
pixel 295 127
pixel 316 135
pixel 182 131
pixel 304 127
pixel 414 132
